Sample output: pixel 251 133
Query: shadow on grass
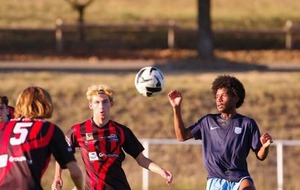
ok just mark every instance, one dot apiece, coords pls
pixel 195 64
pixel 115 63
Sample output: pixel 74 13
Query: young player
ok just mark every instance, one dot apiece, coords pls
pixel 103 144
pixel 6 111
pixel 227 137
pixel 27 142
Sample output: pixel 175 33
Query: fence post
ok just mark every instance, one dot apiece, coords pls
pixel 288 34
pixel 279 148
pixel 59 35
pixel 171 34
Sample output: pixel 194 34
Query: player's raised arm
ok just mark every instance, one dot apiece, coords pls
pixel 175 99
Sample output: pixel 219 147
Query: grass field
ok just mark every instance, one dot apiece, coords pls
pixel 273 101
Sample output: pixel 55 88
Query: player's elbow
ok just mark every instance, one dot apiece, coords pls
pixel 181 138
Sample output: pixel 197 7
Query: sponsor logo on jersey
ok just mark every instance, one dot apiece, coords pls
pixel 89 136
pixel 237 130
pixel 93 156
pixel 17 159
pixel 113 137
pixel 3 160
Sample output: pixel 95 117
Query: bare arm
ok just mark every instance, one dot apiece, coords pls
pixel 57 181
pixel 153 167
pixel 181 132
pixel 76 175
pixel 266 141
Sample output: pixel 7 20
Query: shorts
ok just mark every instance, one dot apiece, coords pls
pixel 222 184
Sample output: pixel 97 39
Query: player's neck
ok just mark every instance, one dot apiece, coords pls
pixel 101 122
pixel 228 115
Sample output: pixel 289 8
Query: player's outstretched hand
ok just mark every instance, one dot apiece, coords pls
pixel 168 176
pixel 266 139
pixel 57 184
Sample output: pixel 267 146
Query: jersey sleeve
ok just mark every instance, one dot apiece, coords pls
pixel 196 128
pixel 132 145
pixel 71 140
pixel 256 144
pixel 62 152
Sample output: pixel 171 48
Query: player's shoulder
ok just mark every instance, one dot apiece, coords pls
pixel 82 123
pixel 209 116
pixel 117 124
pixel 243 117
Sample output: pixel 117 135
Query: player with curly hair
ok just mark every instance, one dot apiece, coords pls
pixel 227 136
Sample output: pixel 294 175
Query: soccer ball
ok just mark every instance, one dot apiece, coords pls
pixel 149 81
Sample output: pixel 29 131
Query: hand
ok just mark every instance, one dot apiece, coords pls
pixel 168 176
pixel 266 140
pixel 57 184
pixel 175 98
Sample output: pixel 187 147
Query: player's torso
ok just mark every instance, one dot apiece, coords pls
pixel 230 137
pixel 24 152
pixel 102 154
pixel 100 144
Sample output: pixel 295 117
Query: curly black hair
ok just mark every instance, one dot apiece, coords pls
pixel 232 84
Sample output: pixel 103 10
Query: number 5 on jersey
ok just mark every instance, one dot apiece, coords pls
pixel 21 132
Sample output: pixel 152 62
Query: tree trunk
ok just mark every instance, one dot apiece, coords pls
pixel 206 45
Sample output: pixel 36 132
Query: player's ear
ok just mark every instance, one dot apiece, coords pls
pixel 112 103
pixel 90 105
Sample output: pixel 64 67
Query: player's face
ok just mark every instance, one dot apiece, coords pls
pixel 224 101
pixel 3 112
pixel 100 104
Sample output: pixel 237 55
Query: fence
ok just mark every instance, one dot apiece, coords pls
pixel 288 30
pixel 279 152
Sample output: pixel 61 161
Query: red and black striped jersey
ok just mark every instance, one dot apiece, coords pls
pixel 103 151
pixel 25 151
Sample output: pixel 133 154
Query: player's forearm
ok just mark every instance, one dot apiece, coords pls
pixel 263 153
pixel 76 175
pixel 58 171
pixel 181 132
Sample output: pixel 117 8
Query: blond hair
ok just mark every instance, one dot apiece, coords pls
pixel 95 89
pixel 34 103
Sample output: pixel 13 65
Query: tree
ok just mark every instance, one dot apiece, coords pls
pixel 80 5
pixel 206 45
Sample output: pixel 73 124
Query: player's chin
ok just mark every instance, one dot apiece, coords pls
pixel 220 109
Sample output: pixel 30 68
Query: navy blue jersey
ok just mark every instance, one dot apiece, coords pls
pixel 25 151
pixel 225 149
pixel 102 150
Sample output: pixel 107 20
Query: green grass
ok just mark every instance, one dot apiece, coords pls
pixel 225 13
pixel 272 99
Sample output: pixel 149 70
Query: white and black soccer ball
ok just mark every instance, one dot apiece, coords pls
pixel 149 81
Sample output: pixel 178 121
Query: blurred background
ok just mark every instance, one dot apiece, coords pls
pixel 191 41
pixel 88 27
